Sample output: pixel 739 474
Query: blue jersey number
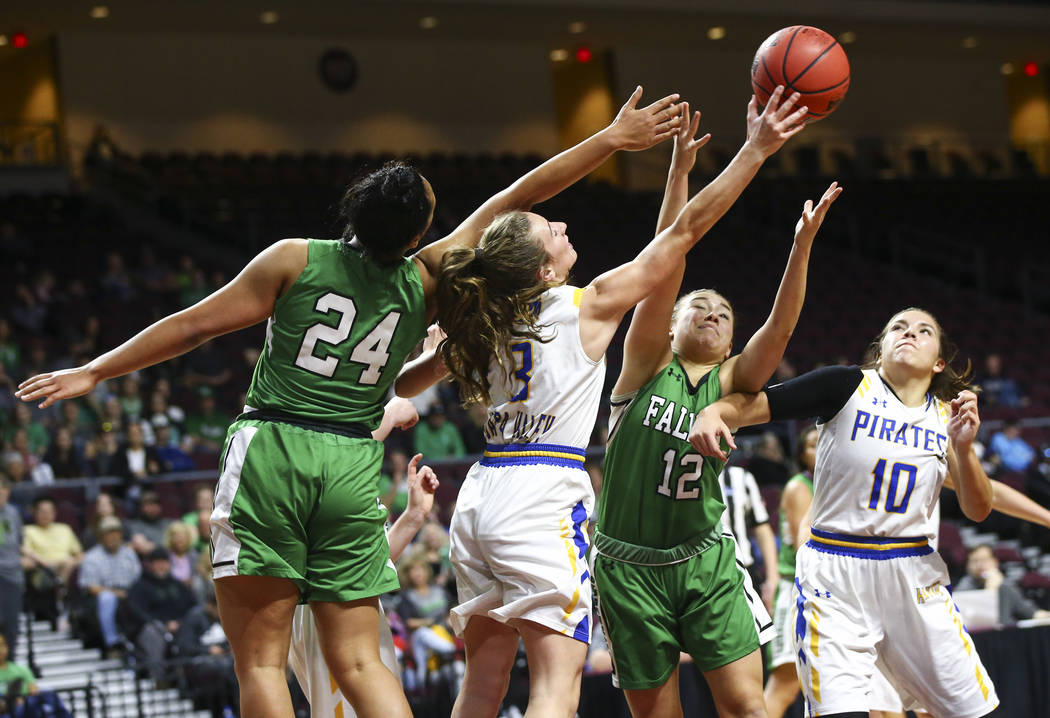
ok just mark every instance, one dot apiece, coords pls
pixel 523 372
pixel 892 504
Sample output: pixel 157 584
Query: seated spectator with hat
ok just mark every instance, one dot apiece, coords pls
pixel 109 571
pixel 156 607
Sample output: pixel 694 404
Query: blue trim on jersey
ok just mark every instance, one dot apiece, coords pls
pixel 579 515
pixel 879 548
pixel 583 630
pixel 531 454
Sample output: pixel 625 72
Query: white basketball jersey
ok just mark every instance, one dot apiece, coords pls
pixel 550 394
pixel 880 464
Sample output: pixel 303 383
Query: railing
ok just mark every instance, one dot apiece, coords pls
pixel 30 144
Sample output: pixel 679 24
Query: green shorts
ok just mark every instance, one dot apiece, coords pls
pixel 650 613
pixel 302 504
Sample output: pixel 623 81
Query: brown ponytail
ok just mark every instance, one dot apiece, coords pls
pixel 944 385
pixel 482 295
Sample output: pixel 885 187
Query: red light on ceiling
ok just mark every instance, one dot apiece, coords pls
pixel 19 39
pixel 1031 69
pixel 584 54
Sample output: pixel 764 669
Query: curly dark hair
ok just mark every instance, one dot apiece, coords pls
pixel 387 209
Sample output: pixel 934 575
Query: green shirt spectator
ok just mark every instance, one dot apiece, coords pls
pixel 208 426
pixel 11 672
pixel 436 438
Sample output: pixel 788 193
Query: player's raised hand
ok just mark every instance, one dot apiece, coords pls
pixel 777 123
pixel 707 434
pixel 640 129
pixel 53 386
pixel 812 217
pixel 422 482
pixel 964 420
pixel 686 143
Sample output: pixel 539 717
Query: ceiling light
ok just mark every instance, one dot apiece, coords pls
pixel 577 27
pixel 428 23
pixel 269 17
pixel 3 40
pixel 559 55
pixel 716 33
pixel 969 42
pixel 1007 68
pixel 100 12
pixel 847 37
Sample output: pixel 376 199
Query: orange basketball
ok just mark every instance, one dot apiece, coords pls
pixel 806 60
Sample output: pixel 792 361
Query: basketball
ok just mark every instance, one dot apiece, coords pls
pixel 806 60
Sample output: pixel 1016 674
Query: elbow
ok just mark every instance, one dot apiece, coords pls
pixel 978 510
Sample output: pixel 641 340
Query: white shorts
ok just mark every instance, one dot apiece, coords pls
pixel 857 609
pixel 519 543
pixel 782 647
pixel 307 662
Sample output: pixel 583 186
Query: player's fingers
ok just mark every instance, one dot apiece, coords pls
pixel 793 120
pixel 788 134
pixel 414 462
pixel 774 100
pixel 752 109
pixel 698 143
pixel 694 124
pixel 786 106
pixel 632 101
pixel 661 136
pixel 663 104
pixel 431 484
pixel 728 436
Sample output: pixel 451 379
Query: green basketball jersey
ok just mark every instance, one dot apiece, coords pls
pixel 339 336
pixel 786 557
pixel 658 491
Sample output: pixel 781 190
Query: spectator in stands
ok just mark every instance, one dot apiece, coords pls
pixel 7 396
pixel 87 341
pixel 1008 451
pixel 135 461
pixel 746 513
pixel 63 457
pixel 131 405
pixel 12 580
pixel 109 570
pixel 38 470
pixel 997 389
pixel 178 540
pixel 982 573
pixel 436 437
pixel 14 467
pixel 207 427
pixel 116 282
pixel 112 417
pixel 434 549
pixel 36 433
pixel 80 422
pixel 203 500
pixel 26 311
pixel 50 554
pixel 169 453
pixel 103 455
pixel 11 672
pixel 157 604
pixel 210 673
pixel 423 606
pixel 206 367
pixel 10 353
pixel 104 508
pixel 160 408
pixel 147 531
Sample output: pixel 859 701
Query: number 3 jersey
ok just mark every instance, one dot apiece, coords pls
pixel 880 464
pixel 548 391
pixel 657 490
pixel 338 337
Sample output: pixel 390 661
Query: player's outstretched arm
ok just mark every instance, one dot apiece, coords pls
pixel 646 348
pixel 763 352
pixel 1008 500
pixel 633 128
pixel 422 483
pixel 245 301
pixel 609 296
